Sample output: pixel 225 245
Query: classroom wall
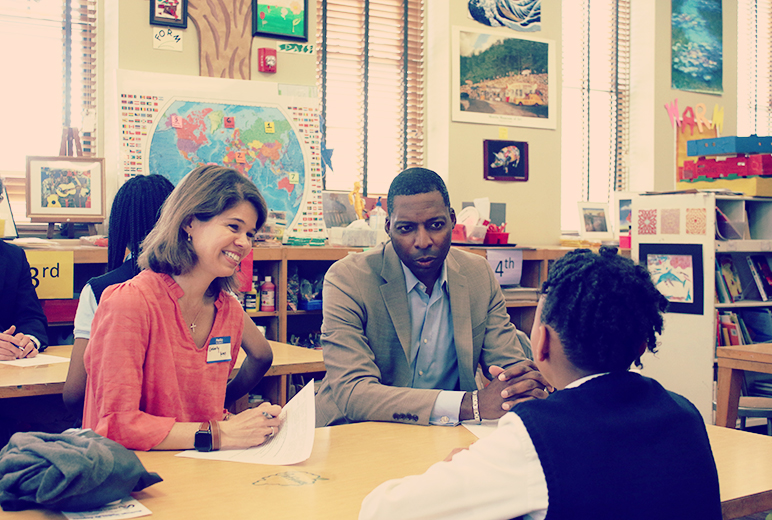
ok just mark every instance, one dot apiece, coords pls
pixel 455 149
pixel 533 207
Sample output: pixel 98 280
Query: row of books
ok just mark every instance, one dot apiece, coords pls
pixel 744 327
pixel 736 281
pixel 520 294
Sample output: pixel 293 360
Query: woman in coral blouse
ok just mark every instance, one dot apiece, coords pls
pixel 164 343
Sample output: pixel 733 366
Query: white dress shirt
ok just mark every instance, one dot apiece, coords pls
pixel 498 477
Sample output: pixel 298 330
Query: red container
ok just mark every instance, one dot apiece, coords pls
pixel 496 238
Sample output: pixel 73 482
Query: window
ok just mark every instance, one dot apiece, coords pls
pixel 370 77
pixel 50 81
pixel 754 92
pixel 595 103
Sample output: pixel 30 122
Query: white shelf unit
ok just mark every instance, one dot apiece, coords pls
pixel 685 359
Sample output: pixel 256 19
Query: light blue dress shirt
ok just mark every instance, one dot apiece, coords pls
pixel 433 350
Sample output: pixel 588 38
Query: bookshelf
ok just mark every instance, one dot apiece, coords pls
pixel 685 361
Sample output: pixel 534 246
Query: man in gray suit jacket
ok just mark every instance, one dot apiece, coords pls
pixel 407 323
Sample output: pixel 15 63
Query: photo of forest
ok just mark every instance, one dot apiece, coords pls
pixel 503 75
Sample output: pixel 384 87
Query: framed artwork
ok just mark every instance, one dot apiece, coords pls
pixel 285 19
pixel 594 221
pixel 505 160
pixel 171 13
pixel 622 212
pixel 696 46
pixel 676 270
pixel 501 79
pixel 66 189
pixel 7 224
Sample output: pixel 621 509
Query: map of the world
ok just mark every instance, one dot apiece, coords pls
pixel 258 141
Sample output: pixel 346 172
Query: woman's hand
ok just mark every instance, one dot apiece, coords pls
pixel 250 428
pixel 16 346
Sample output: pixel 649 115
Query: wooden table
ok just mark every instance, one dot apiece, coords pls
pixel 732 362
pixel 349 461
pixel 49 379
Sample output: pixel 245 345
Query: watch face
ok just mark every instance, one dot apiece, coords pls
pixel 203 440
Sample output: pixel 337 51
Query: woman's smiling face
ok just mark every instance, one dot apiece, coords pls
pixel 223 241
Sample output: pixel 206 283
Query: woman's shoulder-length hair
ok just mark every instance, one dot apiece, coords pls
pixel 204 193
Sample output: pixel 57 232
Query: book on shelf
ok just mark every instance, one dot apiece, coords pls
pixel 730 330
pixel 760 283
pixel 764 271
pixel 725 228
pixel 520 294
pixel 722 291
pixel 731 277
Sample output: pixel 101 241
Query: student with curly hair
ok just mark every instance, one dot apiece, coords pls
pixel 608 444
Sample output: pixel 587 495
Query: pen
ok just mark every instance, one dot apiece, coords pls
pixel 267 415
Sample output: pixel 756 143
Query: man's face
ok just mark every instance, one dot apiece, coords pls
pixel 420 228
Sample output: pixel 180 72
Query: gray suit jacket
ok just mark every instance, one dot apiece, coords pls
pixel 366 336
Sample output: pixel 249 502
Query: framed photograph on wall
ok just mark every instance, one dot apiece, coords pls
pixel 501 79
pixel 170 13
pixel 285 19
pixel 505 160
pixel 594 221
pixel 676 270
pixel 622 212
pixel 7 223
pixel 66 189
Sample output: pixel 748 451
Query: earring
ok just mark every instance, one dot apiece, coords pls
pixel 190 238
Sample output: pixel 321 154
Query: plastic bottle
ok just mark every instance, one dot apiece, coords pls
pixel 268 295
pixel 250 297
pixel 377 216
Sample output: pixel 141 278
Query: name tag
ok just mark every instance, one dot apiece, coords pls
pixel 219 350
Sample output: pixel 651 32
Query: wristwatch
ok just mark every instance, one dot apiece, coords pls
pixel 207 437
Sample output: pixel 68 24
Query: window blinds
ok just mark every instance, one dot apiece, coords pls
pixel 370 76
pixel 754 67
pixel 53 76
pixel 595 103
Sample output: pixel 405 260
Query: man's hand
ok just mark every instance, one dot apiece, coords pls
pixel 520 382
pixel 15 346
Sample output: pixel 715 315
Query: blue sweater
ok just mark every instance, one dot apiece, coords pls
pixel 620 446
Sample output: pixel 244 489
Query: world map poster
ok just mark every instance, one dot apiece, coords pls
pixel 272 139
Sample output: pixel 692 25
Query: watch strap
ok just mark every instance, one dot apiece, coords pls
pixel 215 428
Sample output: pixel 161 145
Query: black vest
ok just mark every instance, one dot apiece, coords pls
pixel 118 275
pixel 620 446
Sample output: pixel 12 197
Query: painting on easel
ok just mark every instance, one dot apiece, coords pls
pixel 66 189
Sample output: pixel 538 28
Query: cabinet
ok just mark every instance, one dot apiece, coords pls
pixel 685 360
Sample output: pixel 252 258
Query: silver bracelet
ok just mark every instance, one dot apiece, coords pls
pixel 476 407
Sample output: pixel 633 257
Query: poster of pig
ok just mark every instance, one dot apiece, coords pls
pixel 505 160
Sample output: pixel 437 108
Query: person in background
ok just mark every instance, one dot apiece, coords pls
pixel 608 444
pixel 134 212
pixel 407 323
pixel 22 320
pixel 164 343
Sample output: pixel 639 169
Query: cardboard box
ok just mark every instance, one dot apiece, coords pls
pixel 729 145
pixel 750 186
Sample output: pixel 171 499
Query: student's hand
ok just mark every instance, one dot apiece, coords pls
pixel 250 428
pixel 520 382
pixel 16 346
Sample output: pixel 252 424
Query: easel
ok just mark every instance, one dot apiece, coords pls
pixel 70 147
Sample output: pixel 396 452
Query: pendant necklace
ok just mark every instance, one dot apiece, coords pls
pixel 192 325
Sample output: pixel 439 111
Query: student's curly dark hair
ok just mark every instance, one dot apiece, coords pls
pixel 604 308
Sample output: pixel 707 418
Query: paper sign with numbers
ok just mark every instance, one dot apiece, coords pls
pixel 507 265
pixel 52 273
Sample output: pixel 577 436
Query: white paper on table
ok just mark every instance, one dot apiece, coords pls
pixel 125 508
pixel 40 359
pixel 291 444
pixel 483 429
